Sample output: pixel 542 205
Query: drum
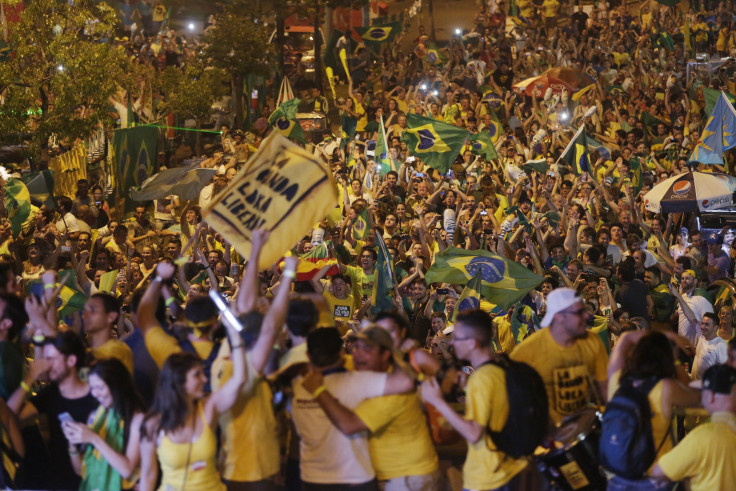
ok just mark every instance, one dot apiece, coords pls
pixel 571 461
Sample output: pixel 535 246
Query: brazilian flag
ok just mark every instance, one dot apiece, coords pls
pixel 615 89
pixel 524 321
pixel 382 157
pixel 436 143
pixel 496 128
pixel 17 203
pixel 470 297
pixel 576 153
pixel 384 280
pixel 503 282
pixel 283 120
pixel 200 279
pixel 360 227
pixel 489 96
pixel 379 34
pixel 482 145
pixel 41 187
pixel 434 56
pixel 348 124
pixel 70 299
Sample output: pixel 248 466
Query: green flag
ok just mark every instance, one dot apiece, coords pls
pixel 503 282
pixel 482 145
pixel 41 187
pixel 470 297
pixel 576 153
pixel 651 122
pixel 539 165
pixel 436 143
pixel 379 34
pixel 17 203
pixel 348 125
pixel 383 282
pixel 135 159
pixel 434 55
pixel 524 321
pixel 71 299
pixel 382 157
pixel 283 120
pixel 711 97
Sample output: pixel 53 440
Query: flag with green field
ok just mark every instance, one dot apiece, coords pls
pixel 503 282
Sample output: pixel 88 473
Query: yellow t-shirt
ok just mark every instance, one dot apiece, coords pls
pixel 160 345
pixel 707 455
pixel 399 443
pixel 115 349
pixel 550 8
pixel 485 467
pixel 362 284
pixel 249 432
pixel 363 119
pixel 505 335
pixel 341 309
pixel 567 371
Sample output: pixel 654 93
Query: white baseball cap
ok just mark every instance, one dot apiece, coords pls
pixel 557 301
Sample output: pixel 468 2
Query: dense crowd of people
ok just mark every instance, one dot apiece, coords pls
pixel 147 385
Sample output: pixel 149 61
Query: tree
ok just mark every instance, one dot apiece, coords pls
pixel 238 44
pixel 61 72
pixel 191 93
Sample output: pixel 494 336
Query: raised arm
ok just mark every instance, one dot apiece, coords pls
pixel 274 319
pixel 250 286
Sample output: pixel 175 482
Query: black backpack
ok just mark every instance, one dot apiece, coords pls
pixel 626 446
pixel 528 420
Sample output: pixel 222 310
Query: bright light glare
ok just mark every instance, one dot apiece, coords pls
pixel 191 26
pixel 458 31
pixel 60 68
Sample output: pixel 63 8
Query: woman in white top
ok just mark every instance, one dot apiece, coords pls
pixel 678 248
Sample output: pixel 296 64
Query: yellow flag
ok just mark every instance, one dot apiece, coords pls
pixel 283 189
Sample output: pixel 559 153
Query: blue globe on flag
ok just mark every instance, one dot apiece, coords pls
pixel 468 303
pixel 491 269
pixel 426 139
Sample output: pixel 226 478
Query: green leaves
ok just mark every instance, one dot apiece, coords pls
pixel 62 65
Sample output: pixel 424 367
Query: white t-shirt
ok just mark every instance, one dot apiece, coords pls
pixel 707 354
pixel 67 223
pixel 328 456
pixel 699 305
pixel 613 254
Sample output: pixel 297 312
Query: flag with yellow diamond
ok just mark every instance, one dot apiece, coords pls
pixel 283 120
pixel 379 34
pixel 719 134
pixel 470 297
pixel 482 145
pixel 436 143
pixel 17 203
pixel 503 282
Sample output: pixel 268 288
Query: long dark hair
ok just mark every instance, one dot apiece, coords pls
pixel 170 403
pixel 126 401
pixel 652 356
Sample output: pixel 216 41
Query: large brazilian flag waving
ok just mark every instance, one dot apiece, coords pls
pixel 135 151
pixel 502 282
pixel 436 143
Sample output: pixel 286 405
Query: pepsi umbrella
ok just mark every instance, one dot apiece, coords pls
pixel 691 191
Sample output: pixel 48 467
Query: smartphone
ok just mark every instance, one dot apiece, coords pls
pixel 410 158
pixel 65 418
pixel 551 174
pixel 483 213
pixel 443 291
pixel 420 174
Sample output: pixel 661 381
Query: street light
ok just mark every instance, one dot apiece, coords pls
pixel 60 68
pixel 191 26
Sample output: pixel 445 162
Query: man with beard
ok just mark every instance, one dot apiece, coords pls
pixel 567 355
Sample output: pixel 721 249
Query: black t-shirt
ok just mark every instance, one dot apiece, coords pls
pixel 579 19
pixel 50 403
pixel 633 298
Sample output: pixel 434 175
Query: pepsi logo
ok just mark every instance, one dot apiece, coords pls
pixel 705 203
pixel 681 187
